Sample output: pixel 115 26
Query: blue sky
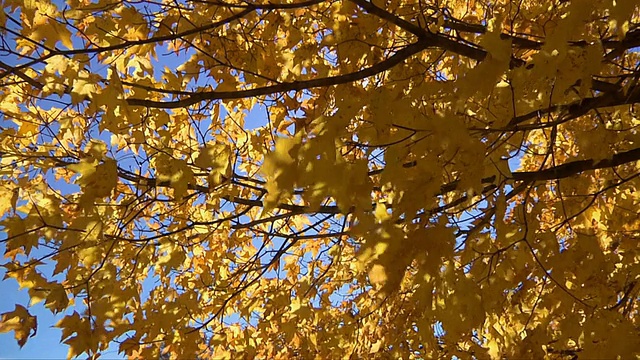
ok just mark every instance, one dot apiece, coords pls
pixel 46 343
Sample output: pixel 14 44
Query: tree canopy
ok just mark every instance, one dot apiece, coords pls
pixel 324 179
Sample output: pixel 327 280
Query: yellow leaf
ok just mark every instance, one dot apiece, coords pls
pixel 377 274
pixel 23 324
pixel 57 300
pixel 63 34
pixel 176 172
pixel 381 212
pixel 281 171
pixel 494 349
pixel 27 127
pixel 97 179
pixel 375 347
pixel 8 197
pixel 82 90
pixel 217 158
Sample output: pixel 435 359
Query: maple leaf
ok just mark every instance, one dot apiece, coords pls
pixel 23 324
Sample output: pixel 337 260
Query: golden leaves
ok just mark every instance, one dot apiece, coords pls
pixel 482 77
pixel 57 300
pixel 174 171
pixel 378 275
pixel 83 88
pixel 171 256
pixel 83 340
pixel 97 179
pixel 216 157
pixel 280 167
pixel 42 26
pixel 312 179
pixel 9 194
pixel 620 15
pixel 23 324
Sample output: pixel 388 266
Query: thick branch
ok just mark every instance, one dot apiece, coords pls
pixel 384 65
pixel 383 14
pixel 527 177
pixel 576 167
pixel 580 107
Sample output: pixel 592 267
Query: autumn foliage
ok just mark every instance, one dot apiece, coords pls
pixel 412 179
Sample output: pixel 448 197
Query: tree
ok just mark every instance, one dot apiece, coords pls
pixel 309 178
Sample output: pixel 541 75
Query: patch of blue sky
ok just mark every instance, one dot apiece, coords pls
pixel 45 344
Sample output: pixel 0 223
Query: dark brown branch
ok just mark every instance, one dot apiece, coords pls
pixel 631 40
pixel 527 177
pixel 383 14
pixel 580 107
pixel 576 167
pixel 145 181
pixel 554 173
pixel 9 69
pixel 384 65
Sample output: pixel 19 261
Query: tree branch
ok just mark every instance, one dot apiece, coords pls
pixel 575 167
pixel 384 65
